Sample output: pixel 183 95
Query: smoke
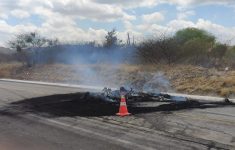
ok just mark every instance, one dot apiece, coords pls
pixel 158 83
pixel 92 65
pixel 100 66
pixel 154 82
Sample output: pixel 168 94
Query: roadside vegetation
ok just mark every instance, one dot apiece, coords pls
pixel 192 60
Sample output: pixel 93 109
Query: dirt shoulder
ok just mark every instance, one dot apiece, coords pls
pixel 178 78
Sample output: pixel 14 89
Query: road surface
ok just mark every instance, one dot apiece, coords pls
pixel 207 128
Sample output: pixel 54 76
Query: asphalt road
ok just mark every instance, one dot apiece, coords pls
pixel 208 128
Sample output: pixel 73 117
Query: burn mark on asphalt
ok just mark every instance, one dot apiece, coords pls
pixel 87 104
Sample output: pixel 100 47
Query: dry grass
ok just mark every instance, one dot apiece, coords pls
pixel 198 80
pixel 183 78
pixel 7 69
pixel 195 80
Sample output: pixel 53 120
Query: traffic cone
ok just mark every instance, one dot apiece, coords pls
pixel 123 108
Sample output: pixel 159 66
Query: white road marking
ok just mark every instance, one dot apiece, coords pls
pixel 54 84
pixel 197 97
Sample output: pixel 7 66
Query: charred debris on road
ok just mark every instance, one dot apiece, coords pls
pixel 133 96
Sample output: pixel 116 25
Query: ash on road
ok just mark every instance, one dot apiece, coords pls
pixel 69 121
pixel 91 104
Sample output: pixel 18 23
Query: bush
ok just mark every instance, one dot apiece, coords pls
pixel 161 50
pixel 230 56
pixel 219 51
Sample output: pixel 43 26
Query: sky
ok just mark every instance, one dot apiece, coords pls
pixel 89 20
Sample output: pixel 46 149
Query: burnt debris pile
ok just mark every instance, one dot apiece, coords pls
pixel 133 96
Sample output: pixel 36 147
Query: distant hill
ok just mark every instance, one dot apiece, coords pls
pixel 6 50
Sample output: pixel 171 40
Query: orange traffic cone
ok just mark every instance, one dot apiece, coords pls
pixel 123 108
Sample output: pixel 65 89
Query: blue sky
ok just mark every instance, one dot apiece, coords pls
pixel 89 20
pixel 223 15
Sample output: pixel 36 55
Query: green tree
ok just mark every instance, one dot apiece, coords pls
pixel 27 44
pixel 111 39
pixel 195 44
pixel 184 35
pixel 196 50
pixel 27 40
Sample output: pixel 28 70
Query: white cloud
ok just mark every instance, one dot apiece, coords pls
pixel 126 4
pixel 154 17
pixel 59 18
pixel 8 31
pixel 180 24
pixel 149 3
pixel 3 16
pixel 85 9
pixel 192 3
pixel 223 2
pixel 223 34
pixel 20 14
pixel 91 10
pixel 185 14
